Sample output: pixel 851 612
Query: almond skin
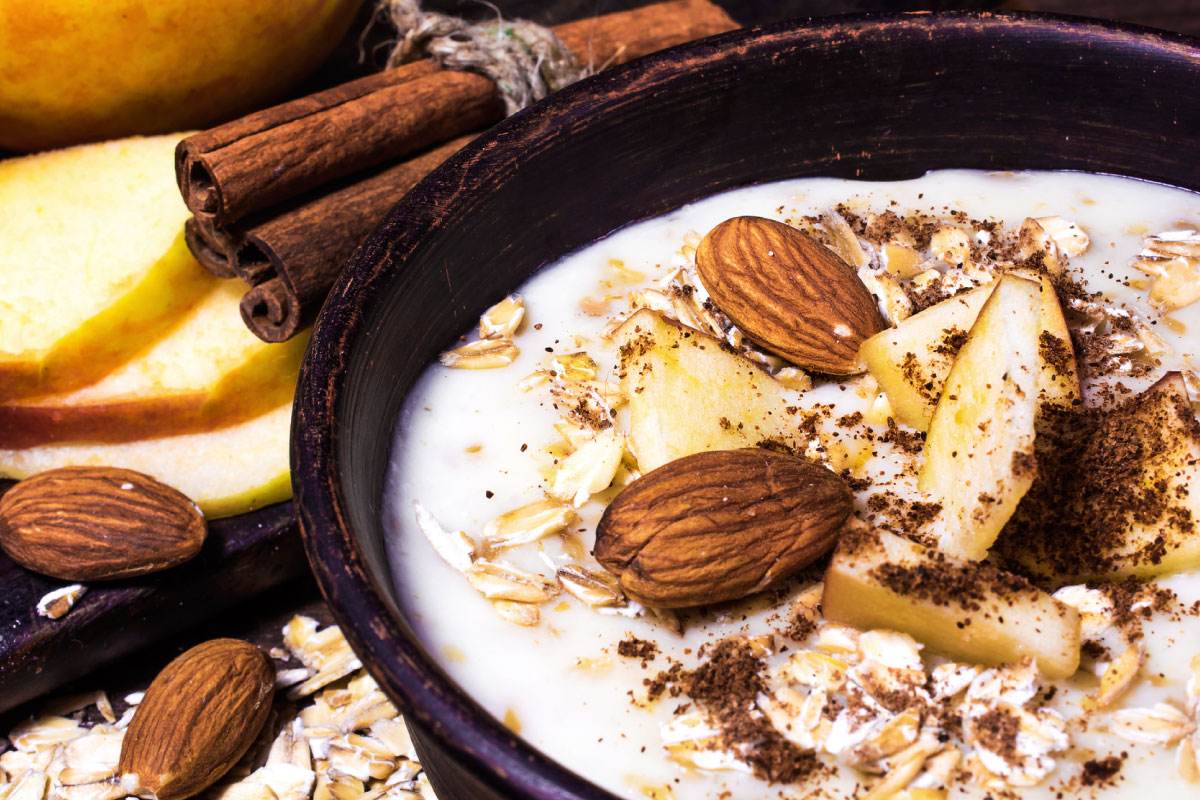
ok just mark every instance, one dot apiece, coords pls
pixel 98 523
pixel 198 718
pixel 720 525
pixel 788 293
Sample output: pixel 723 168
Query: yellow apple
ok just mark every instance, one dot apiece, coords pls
pixel 225 472
pixel 687 394
pixel 209 372
pixel 82 70
pixel 979 454
pixel 965 609
pixel 93 267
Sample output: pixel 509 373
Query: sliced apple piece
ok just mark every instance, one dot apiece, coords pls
pixel 1058 383
pixel 226 472
pixel 912 360
pixel 1117 493
pixel 94 266
pixel 688 394
pixel 968 610
pixel 979 454
pixel 209 373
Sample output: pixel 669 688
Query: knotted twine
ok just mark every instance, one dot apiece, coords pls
pixel 525 60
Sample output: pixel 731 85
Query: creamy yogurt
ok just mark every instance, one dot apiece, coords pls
pixel 472 444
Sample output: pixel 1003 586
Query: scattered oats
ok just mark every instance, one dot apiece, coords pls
pixel 1116 679
pixel 833 638
pixel 798 717
pixel 1187 762
pixel 905 766
pixel 590 469
pixel 524 614
pixel 1094 607
pixel 325 653
pixel 290 677
pixel 951 246
pixel 950 678
pixel 794 378
pixel 56 604
pixel 1069 237
pixel 498 581
pixel 502 320
pixel 1161 724
pixel 134 698
pixel 596 589
pixel 1002 697
pixel 691 740
pixel 841 240
pixel 1172 258
pixel 30 786
pixel 481 354
pixel 816 669
pixel 939 770
pixel 456 549
pixel 1034 240
pixel 900 260
pixel 42 732
pixel 893 301
pixel 290 746
pixel 574 367
pixel 528 524
pixel 891 649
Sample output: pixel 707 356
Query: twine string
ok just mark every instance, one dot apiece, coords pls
pixel 525 60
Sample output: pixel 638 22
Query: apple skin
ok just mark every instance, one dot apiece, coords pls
pixel 83 70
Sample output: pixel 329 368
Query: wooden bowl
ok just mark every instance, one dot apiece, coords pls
pixel 862 97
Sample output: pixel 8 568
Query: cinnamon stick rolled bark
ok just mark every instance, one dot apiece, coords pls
pixel 212 248
pixel 305 247
pixel 275 155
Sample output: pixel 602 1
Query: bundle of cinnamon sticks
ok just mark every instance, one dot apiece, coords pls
pixel 282 197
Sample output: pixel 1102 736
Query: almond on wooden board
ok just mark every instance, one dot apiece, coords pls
pixel 198 718
pixel 98 523
pixel 720 525
pixel 789 293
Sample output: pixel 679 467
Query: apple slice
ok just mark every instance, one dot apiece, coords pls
pixel 912 360
pixel 94 266
pixel 979 454
pixel 226 472
pixel 209 373
pixel 1058 383
pixel 687 394
pixel 965 609
pixel 1117 493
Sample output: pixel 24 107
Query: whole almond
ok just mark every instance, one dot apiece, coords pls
pixel 720 525
pixel 198 718
pixel 98 523
pixel 788 293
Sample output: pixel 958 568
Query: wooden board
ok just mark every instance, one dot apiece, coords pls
pixel 243 557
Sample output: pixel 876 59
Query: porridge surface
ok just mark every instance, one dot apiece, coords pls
pixel 472 444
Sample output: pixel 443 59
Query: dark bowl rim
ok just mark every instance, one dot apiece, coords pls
pixel 496 756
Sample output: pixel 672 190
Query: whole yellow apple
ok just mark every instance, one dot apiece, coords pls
pixel 83 70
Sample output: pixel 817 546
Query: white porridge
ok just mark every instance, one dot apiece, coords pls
pixel 563 656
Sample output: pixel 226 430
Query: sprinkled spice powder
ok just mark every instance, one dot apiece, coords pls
pixel 1098 479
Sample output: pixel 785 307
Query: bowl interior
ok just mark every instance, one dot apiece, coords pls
pixel 877 98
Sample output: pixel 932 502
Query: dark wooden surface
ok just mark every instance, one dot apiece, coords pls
pixel 242 558
pixel 119 625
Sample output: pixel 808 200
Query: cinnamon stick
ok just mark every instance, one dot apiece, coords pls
pixel 213 247
pixel 304 247
pixel 277 154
